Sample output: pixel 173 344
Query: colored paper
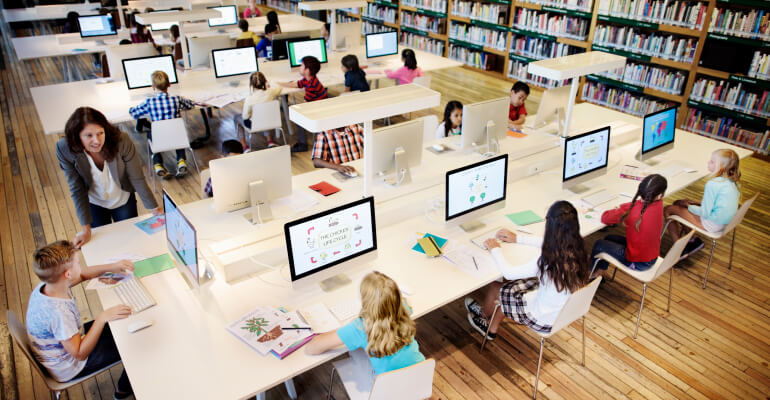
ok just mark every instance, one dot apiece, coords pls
pixel 325 188
pixel 152 225
pixel 515 133
pixel 439 241
pixel 524 218
pixel 153 265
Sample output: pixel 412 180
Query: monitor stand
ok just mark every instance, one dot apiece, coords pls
pixel 403 176
pixel 334 283
pixel 579 189
pixel 221 30
pixel 100 42
pixel 471 226
pixel 234 83
pixel 260 204
pixel 492 140
pixel 651 162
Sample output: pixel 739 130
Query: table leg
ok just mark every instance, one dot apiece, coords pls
pixel 285 107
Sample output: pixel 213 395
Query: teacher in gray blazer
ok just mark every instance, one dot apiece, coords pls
pixel 103 171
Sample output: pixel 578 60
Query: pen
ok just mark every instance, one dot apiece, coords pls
pixel 474 263
pixel 296 328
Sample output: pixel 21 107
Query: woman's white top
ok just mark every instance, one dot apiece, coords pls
pixel 544 303
pixel 104 191
pixel 440 131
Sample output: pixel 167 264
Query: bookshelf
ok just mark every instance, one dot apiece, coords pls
pixel 502 37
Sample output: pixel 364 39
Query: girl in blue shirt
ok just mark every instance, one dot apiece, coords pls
pixel 384 328
pixel 719 203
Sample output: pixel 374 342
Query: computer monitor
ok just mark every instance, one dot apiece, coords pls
pixel 300 49
pixel 477 129
pixel 658 133
pixel 182 240
pixel 97 26
pixel 553 105
pixel 381 44
pixel 234 61
pixel 162 26
pixel 280 43
pixel 585 157
pixel 320 246
pixel 138 71
pixel 397 149
pixel 229 16
pixel 474 190
pixel 251 179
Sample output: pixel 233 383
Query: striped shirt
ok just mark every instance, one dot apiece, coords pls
pixel 161 107
pixel 314 90
pixel 339 147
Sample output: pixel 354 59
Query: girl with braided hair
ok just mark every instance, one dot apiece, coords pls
pixel 643 219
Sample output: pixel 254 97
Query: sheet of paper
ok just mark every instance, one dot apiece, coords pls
pixel 152 225
pixel 153 265
pixel 320 318
pixel 470 260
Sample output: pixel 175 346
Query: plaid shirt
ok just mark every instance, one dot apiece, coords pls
pixel 161 107
pixel 339 147
pixel 208 189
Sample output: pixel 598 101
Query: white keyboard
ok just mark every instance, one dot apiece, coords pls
pixel 488 234
pixel 346 309
pixel 132 293
pixel 599 197
pixel 671 170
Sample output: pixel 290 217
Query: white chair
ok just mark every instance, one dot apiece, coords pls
pixel 19 334
pixel 714 236
pixel 205 175
pixel 168 135
pixel 264 116
pixel 577 306
pixel 661 266
pixel 430 123
pixel 410 383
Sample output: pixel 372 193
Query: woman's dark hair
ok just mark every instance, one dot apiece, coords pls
pixel 649 188
pixel 244 25
pixel 72 25
pixel 410 60
pixel 563 258
pixel 312 64
pixel 272 17
pixel 78 121
pixel 270 28
pixel 350 62
pixel 450 107
pixel 174 30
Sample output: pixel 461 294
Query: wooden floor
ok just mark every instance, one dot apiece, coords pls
pixel 712 344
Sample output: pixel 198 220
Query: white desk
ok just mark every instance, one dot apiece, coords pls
pixel 289 23
pixel 54 11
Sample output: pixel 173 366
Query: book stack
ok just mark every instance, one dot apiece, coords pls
pixel 579 5
pixel 476 35
pixel 658 78
pixel 724 127
pixel 552 24
pixel 688 14
pixel 633 40
pixel 476 59
pixel 760 66
pixel 433 5
pixel 368 27
pixel 752 24
pixel 381 13
pixel 540 49
pixel 422 43
pixel 518 70
pixel 622 100
pixel 733 96
pixel 421 22
pixel 481 11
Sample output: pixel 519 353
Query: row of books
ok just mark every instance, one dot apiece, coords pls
pixel 658 78
pixel 578 5
pixel 688 14
pixel 634 40
pixel 343 19
pixel 381 13
pixel 622 100
pixel 476 35
pixel 518 70
pixel 368 27
pixel 734 96
pixel 283 5
pixel 494 13
pixel 540 49
pixel 753 24
pixel 423 43
pixel 421 22
pixel 717 126
pixel 477 59
pixel 760 66
pixel 552 24
pixel 433 5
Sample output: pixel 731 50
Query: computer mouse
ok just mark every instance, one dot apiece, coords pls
pixel 351 174
pixel 438 147
pixel 138 325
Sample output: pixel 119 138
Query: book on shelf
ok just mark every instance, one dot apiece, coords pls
pixel 368 27
pixel 716 126
pixel 481 11
pixel 552 24
pixel 751 23
pixel 666 80
pixel 579 5
pixel 473 58
pixel 481 36
pixel 539 48
pixel 731 95
pixel 622 100
pixel 432 5
pixel 690 14
pixel 421 22
pixel 760 66
pixel 382 13
pixel 422 43
pixel 653 44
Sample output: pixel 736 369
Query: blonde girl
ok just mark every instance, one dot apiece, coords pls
pixel 383 328
pixel 260 92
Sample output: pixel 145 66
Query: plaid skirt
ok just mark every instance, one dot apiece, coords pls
pixel 515 307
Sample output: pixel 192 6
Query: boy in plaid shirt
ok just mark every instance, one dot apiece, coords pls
pixel 159 108
pixel 314 90
pixel 337 146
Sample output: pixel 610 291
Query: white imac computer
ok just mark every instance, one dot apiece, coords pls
pixel 475 190
pixel 323 245
pixel 281 40
pixel 585 157
pixel 553 105
pixel 658 134
pixel 396 149
pixel 234 62
pixel 484 124
pixel 138 73
pixel 97 27
pixel 182 241
pixel 302 48
pixel 251 179
pixel 229 17
pixel 381 44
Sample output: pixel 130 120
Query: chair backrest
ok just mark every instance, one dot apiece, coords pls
pixel 200 48
pixel 19 334
pixel 248 42
pixel 105 66
pixel 205 175
pixel 423 81
pixel 672 257
pixel 738 217
pixel 169 134
pixel 410 383
pixel 265 116
pixel 576 306
pixel 116 54
pixel 429 123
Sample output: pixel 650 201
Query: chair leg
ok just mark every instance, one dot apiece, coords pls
pixel 195 161
pixel 665 227
pixel 486 334
pixel 151 172
pixel 670 287
pixel 732 247
pixel 583 361
pixel 291 389
pixel 539 361
pixel 641 305
pixel 594 267
pixel 261 396
pixel 283 135
pixel 331 384
pixel 708 267
pixel 614 271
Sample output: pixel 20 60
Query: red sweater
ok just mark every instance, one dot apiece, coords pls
pixel 642 245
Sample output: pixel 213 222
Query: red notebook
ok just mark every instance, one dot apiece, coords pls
pixel 325 188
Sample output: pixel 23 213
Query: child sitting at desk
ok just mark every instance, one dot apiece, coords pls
pixel 246 33
pixel 384 328
pixel 265 46
pixel 162 107
pixel 314 90
pixel 453 120
pixel 517 111
pixel 53 319
pixel 260 92
pixel 355 77
pixel 229 148
pixel 336 146
pixel 409 71
pixel 252 10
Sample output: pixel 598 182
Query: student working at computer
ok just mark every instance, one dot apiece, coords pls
pixel 337 146
pixel 409 71
pixel 265 45
pixel 453 120
pixel 252 10
pixel 517 111
pixel 272 18
pixel 54 324
pixel 384 328
pixel 355 77
pixel 246 33
pixel 314 90
pixel 259 92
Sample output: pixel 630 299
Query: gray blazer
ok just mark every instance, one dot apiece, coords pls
pixel 125 168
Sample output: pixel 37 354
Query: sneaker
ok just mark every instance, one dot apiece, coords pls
pixel 121 395
pixel 299 148
pixel 247 149
pixel 181 168
pixel 270 144
pixel 473 307
pixel 161 171
pixel 692 247
pixel 480 325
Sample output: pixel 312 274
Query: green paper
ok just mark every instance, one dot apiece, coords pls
pixel 524 218
pixel 153 265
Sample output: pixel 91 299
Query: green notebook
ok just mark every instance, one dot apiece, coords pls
pixel 524 218
pixel 153 265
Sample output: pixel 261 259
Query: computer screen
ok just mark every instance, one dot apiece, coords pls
pixel 475 186
pixel 586 153
pixel 303 48
pixel 138 71
pixel 235 61
pixel 659 128
pixel 229 16
pixel 381 44
pixel 323 240
pixel 181 237
pixel 96 25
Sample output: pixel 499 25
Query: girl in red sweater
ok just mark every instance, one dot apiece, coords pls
pixel 643 219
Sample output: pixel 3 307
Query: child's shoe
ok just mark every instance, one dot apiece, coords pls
pixel 473 307
pixel 181 168
pixel 161 171
pixel 271 143
pixel 481 326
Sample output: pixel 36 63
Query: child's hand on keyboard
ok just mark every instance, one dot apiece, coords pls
pixel 491 244
pixel 122 266
pixel 505 235
pixel 116 312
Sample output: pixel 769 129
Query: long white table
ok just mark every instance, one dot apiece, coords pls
pixel 48 12
pixel 187 353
